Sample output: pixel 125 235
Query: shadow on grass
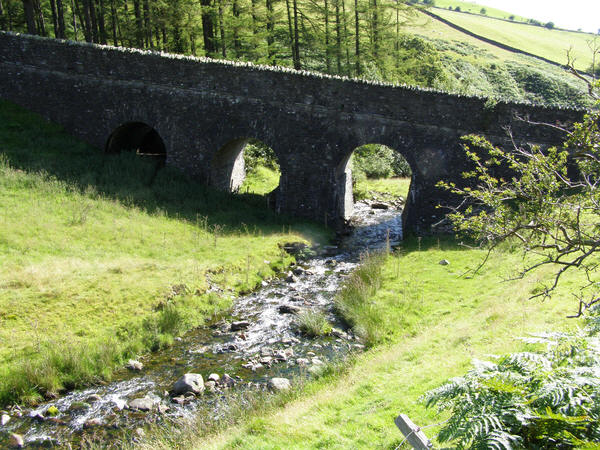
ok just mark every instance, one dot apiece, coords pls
pixel 31 144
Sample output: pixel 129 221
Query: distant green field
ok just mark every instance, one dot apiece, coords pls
pixel 476 9
pixel 551 44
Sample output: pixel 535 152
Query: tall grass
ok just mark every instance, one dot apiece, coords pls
pixel 354 304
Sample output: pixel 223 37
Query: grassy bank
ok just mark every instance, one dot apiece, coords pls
pixel 381 188
pixel 101 258
pixel 428 321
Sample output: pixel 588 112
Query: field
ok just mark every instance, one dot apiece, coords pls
pixel 474 8
pixel 102 259
pixel 551 44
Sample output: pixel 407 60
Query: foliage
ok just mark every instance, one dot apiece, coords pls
pixel 537 399
pixel 258 154
pixel 533 197
pixel 379 161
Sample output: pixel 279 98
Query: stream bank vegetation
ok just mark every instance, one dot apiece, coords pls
pixel 103 258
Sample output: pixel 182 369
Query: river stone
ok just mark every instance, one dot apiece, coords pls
pixel 302 362
pixel 79 406
pixel 298 271
pixel 293 248
pixel 190 382
pixel 239 325
pixel 379 205
pixel 16 440
pixel 141 404
pixel 93 398
pixel 4 419
pixel 288 309
pixel 297 298
pixel 210 386
pixel 279 384
pixel 213 377
pixel 133 364
pixel 444 262
pixel 92 423
pixel 227 380
pixel 291 278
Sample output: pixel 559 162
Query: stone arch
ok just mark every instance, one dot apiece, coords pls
pixel 140 138
pixel 228 169
pixel 344 182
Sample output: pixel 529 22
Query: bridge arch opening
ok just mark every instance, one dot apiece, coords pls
pixel 139 138
pixel 372 172
pixel 245 165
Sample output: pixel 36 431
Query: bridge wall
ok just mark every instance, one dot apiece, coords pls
pixel 312 122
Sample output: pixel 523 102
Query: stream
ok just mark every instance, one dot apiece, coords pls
pixel 257 341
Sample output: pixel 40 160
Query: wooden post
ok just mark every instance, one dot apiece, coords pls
pixel 413 433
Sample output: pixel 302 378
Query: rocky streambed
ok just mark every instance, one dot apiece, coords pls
pixel 257 346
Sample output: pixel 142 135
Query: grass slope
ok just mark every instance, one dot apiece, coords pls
pixel 475 8
pixel 551 44
pixel 98 263
pixel 433 320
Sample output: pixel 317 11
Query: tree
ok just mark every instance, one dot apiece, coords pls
pixel 546 200
pixel 483 11
pixel 549 25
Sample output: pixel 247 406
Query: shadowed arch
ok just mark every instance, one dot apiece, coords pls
pixel 140 138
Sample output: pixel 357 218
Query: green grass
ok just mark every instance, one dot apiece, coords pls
pixel 261 180
pixel 432 320
pixel 551 44
pixel 313 323
pixel 382 188
pixel 474 8
pixel 98 262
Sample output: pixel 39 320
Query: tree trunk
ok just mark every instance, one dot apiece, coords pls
pixel 60 17
pixel 74 15
pixel 208 28
pixel 338 37
pixel 291 31
pixel 375 31
pixel 344 21
pixel 357 38
pixel 222 30
pixel 139 25
pixel 54 18
pixel 39 14
pixel 29 16
pixel 147 24
pixel 86 23
pixel 270 31
pixel 114 23
pixel 327 58
pixel 297 65
pixel 237 44
pixel 101 13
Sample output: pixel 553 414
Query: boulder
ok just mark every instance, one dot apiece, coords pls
pixel 133 364
pixel 239 325
pixel 210 386
pixel 190 382
pixel 141 404
pixel 279 384
pixel 4 419
pixel 444 262
pixel 288 309
pixel 214 377
pixel 291 278
pixel 93 398
pixel 379 205
pixel 79 406
pixel 227 380
pixel 92 423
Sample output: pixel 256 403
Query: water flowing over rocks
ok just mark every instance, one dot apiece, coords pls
pixel 256 342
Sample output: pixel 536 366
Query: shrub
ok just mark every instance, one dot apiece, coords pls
pixel 544 399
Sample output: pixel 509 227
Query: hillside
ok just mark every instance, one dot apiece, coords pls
pixel 552 44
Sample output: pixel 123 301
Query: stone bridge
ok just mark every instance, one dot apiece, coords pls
pixel 198 114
